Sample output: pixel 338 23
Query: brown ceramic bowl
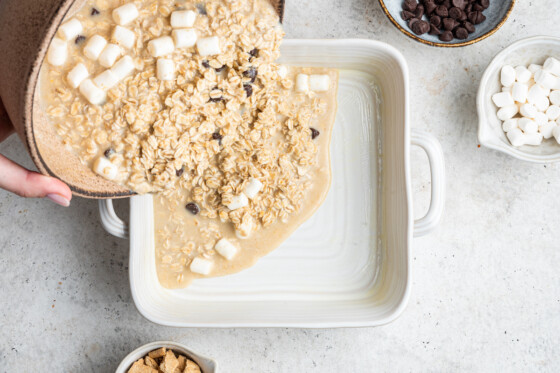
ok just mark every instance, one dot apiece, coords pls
pixel 26 30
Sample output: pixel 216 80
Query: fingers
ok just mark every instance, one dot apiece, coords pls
pixel 25 183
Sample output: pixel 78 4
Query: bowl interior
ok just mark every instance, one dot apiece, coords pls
pixel 496 15
pixel 533 50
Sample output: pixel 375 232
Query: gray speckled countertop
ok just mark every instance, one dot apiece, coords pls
pixel 486 283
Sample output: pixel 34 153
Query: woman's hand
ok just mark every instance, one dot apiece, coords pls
pixel 23 182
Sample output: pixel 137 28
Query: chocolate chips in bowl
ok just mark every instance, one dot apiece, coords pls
pixel 448 23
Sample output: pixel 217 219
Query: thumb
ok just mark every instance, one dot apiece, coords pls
pixel 25 183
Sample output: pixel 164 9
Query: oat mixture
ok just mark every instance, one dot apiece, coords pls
pixel 163 360
pixel 184 98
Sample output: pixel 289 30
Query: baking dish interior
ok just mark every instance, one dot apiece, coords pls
pixel 349 264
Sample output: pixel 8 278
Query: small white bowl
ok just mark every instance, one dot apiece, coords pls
pixel 490 134
pixel 206 365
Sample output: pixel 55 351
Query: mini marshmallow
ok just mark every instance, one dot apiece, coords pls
pixel 527 125
pixel 77 75
pixel 184 38
pixel 58 52
pixel 282 72
pixel 92 93
pixel 556 133
pixel 183 18
pixel 546 129
pixel 533 138
pixel 510 124
pixel 546 79
pixel 106 80
pixel 507 76
pixel 244 230
pixel 535 94
pixel 123 67
pixel 553 112
pixel 555 97
pixel 165 69
pixel 201 266
pixel 208 46
pixel 103 167
pixel 225 249
pixel 123 36
pixel 161 46
pixel 528 110
pixel 522 74
pixel 253 187
pixel 109 55
pixel 70 29
pixel 125 14
pixel 319 83
pixel 552 65
pixel 541 118
pixel 534 68
pixel 519 92
pixel 238 202
pixel 542 104
pixel 500 99
pixel 516 137
pixel 302 83
pixel 94 47
pixel 507 112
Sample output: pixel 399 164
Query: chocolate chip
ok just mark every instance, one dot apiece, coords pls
pixel 469 26
pixel 109 152
pixel 455 13
pixel 461 4
pixel 94 12
pixel 462 17
pixel 410 5
pixel 476 17
pixel 446 36
pixel 251 73
pixel 217 99
pixel 201 9
pixel 406 15
pixel 192 208
pixel 435 20
pixel 446 3
pixel 220 69
pixel 420 27
pixel 314 133
pixel 477 8
pixel 442 11
pixel 79 39
pixel 434 30
pixel 448 24
pixel 484 3
pixel 217 136
pixel 254 52
pixel 429 7
pixel 205 64
pixel 461 33
pixel 180 171
pixel 248 89
pixel 419 12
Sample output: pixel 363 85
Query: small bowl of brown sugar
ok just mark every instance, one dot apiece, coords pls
pixel 448 23
pixel 166 357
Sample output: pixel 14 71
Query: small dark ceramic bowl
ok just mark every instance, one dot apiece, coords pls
pixel 496 16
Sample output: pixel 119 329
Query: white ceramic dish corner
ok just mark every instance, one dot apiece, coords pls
pixel 206 365
pixel 349 264
pixel 490 134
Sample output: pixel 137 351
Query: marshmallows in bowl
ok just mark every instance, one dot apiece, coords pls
pixel 529 103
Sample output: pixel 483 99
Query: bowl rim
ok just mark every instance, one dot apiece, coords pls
pixel 483 126
pixel 445 45
pixel 140 351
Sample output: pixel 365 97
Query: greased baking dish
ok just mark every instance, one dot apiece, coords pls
pixel 349 264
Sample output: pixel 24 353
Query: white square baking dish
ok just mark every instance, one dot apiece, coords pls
pixel 347 266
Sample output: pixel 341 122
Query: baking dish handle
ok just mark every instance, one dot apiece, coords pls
pixel 110 221
pixel 434 152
